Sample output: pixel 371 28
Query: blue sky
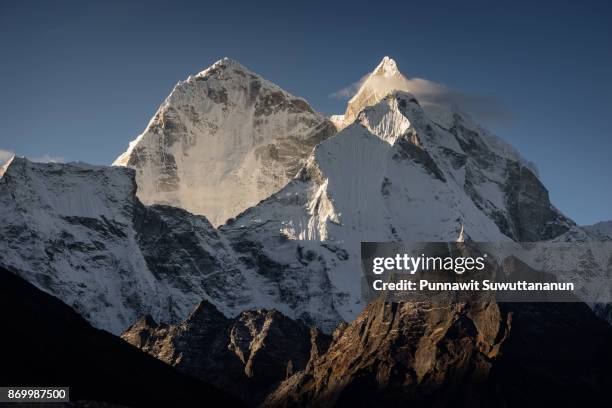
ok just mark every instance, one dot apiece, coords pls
pixel 79 80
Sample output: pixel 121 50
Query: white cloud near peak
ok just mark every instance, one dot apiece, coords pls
pixel 486 108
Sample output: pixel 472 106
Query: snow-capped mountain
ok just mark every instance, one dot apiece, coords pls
pixel 222 141
pixel 395 174
pixel 400 172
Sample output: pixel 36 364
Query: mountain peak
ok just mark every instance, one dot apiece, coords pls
pixel 229 62
pixel 204 312
pixel 222 141
pixel 387 68
pixel 223 64
pixel 385 79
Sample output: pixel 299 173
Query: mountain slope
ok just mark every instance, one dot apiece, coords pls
pixel 79 232
pixel 222 141
pixel 45 343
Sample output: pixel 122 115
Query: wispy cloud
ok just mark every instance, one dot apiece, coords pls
pixel 482 107
pixel 348 92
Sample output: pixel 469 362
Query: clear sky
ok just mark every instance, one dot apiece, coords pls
pixel 79 80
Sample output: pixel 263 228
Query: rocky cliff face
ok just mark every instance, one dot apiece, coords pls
pixel 222 141
pixel 483 354
pixel 248 355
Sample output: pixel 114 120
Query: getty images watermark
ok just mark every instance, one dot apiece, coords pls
pixel 484 271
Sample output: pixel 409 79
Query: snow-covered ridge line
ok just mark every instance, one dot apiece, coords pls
pixel 79 232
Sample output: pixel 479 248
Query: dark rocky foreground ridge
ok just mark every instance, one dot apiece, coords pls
pixel 477 355
pixel 464 355
pixel 46 343
pixel 248 355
